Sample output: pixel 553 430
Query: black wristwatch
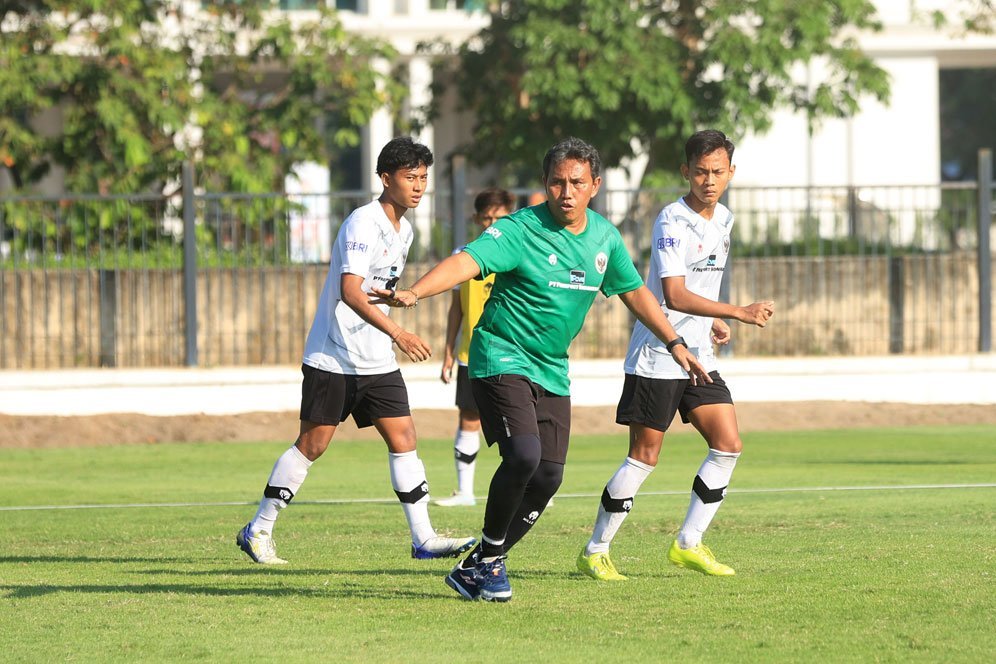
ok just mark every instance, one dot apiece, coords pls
pixel 674 342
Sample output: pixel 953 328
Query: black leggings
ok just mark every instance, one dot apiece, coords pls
pixel 520 490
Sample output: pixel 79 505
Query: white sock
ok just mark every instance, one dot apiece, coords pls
pixel 465 447
pixel 708 492
pixel 286 478
pixel 617 500
pixel 408 480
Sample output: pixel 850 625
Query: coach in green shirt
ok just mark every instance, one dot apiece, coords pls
pixel 550 260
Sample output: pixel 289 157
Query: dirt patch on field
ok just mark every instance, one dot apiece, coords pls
pixel 29 432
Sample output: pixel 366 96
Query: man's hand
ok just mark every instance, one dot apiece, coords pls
pixel 720 332
pixel 447 373
pixel 394 298
pixel 757 313
pixel 687 361
pixel 412 346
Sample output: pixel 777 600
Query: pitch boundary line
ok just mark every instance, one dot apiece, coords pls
pixel 356 501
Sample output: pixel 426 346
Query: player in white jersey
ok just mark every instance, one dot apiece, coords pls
pixel 691 244
pixel 349 365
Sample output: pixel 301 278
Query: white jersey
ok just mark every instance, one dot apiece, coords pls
pixel 684 245
pixel 340 341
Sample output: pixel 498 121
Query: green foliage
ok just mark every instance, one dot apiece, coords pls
pixel 132 88
pixel 612 72
pixel 961 17
pixel 118 93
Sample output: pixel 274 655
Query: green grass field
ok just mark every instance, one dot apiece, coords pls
pixel 872 573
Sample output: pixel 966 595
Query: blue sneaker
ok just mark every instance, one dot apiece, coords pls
pixel 467 582
pixel 442 547
pixel 494 585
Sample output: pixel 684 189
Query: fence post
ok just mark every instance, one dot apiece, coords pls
pixel 458 196
pixel 189 266
pixel 852 211
pixel 897 292
pixel 108 304
pixel 985 255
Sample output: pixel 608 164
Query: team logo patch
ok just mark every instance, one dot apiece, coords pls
pixel 493 232
pixel 601 262
pixel 726 244
pixel 577 276
pixel 531 517
pixel 552 259
pixel 712 260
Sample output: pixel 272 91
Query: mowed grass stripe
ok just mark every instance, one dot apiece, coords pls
pixel 351 501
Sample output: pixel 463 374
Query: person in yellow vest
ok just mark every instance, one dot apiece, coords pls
pixel 465 309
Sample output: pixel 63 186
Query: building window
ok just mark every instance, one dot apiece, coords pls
pixel 966 120
pixel 298 4
pixel 468 5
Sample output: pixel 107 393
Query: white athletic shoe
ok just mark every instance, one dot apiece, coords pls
pixel 259 547
pixel 442 547
pixel 457 500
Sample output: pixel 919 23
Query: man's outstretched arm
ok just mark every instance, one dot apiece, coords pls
pixel 454 270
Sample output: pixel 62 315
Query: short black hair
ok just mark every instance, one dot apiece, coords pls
pixel 402 153
pixel 706 142
pixel 572 148
pixel 494 197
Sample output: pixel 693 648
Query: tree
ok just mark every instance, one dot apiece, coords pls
pixel 639 76
pixel 139 86
pixel 963 17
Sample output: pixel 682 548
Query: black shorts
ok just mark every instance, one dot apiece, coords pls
pixel 464 395
pixel 512 405
pixel 653 402
pixel 329 398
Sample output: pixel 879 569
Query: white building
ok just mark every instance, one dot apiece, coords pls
pixel 839 153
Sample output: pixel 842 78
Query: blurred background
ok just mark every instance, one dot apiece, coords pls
pixel 172 174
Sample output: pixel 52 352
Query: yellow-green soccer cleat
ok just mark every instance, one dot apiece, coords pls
pixel 599 566
pixel 698 558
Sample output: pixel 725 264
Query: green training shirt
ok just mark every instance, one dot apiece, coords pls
pixel 546 282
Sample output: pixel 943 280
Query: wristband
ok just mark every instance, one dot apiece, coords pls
pixel 674 342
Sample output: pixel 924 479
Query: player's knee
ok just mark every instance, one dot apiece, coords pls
pixel 470 420
pixel 645 455
pixel 521 465
pixel 548 477
pixel 731 445
pixel 520 454
pixel 312 448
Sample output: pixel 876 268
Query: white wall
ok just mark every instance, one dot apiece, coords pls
pixel 897 379
pixel 898 143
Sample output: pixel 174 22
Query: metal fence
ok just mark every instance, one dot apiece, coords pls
pixel 90 281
